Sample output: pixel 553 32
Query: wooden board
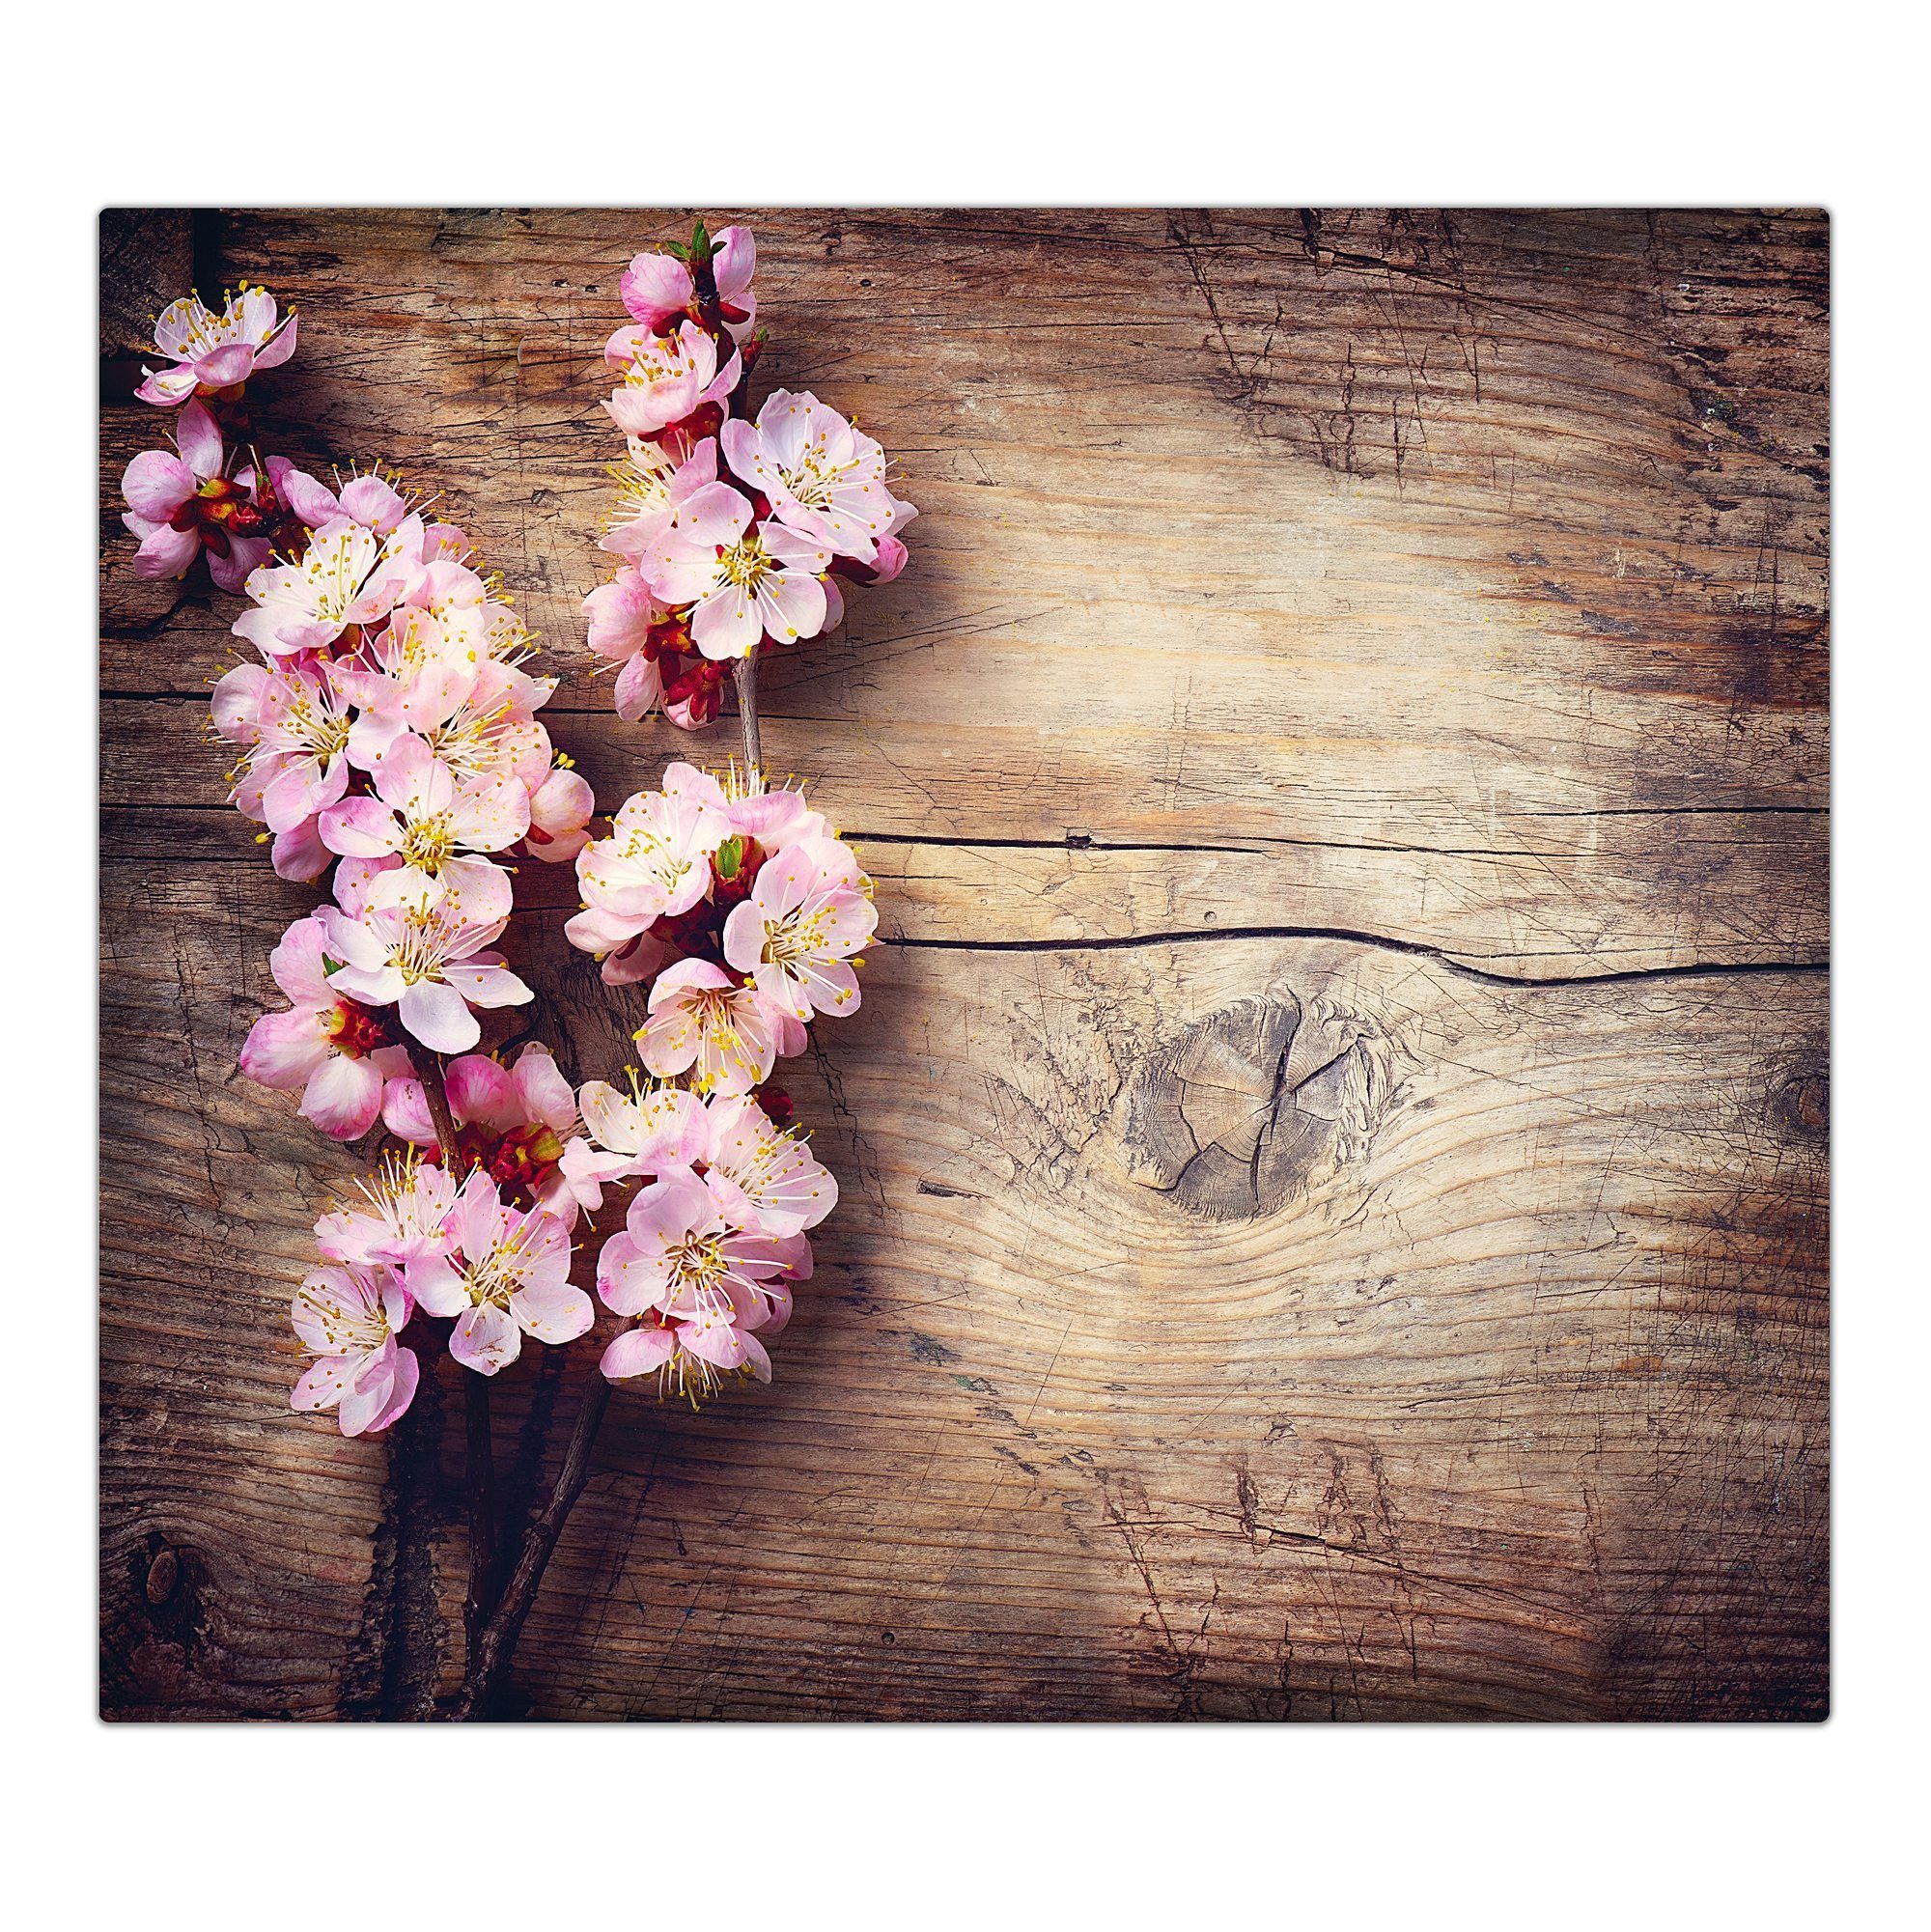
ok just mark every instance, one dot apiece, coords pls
pixel 1336 1149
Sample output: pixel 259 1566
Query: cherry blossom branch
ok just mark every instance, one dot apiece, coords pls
pixel 496 1641
pixel 493 1643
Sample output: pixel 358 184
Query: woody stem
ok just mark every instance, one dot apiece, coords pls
pixel 479 1463
pixel 745 674
pixel 489 1654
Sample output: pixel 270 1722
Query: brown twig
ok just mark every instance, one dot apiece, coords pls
pixel 479 1463
pixel 497 1641
pixel 745 674
pixel 479 1484
pixel 440 1117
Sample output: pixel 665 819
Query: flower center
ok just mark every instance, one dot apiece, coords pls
pixel 356 1031
pixel 744 564
pixel 429 844
pixel 525 1157
pixel 798 936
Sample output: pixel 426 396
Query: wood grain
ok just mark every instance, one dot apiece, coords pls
pixel 1336 1149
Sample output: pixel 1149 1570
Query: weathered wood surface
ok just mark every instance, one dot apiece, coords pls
pixel 1335 1148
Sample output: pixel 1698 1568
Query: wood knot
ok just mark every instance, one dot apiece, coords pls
pixel 1232 1117
pixel 1801 1105
pixel 163 1574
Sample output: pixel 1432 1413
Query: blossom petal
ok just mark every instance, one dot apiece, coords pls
pixel 439 1017
pixel 553 1314
pixel 480 1091
pixel 284 1050
pixel 156 485
pixel 638 1352
pixel 343 1097
pixel 408 1372
pixel 486 1339
pixel 486 984
pixel 199 440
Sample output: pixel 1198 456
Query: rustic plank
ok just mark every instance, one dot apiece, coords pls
pixel 1232 1328
pixel 1335 1160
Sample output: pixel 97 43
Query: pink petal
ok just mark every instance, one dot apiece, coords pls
pixel 156 485
pixel 638 1352
pixel 629 1278
pixel 653 288
pixel 437 1286
pixel 314 503
pixel 544 1093
pixel 167 386
pixel 487 985
pixel 553 1314
pixel 199 440
pixel 480 1091
pixel 166 552
pixel 405 1113
pixel 343 1097
pixel 245 555
pixel 297 962
pixel 361 828
pixel 299 853
pixel 439 1017
pixel 224 367
pixel 272 355
pixel 407 1369
pixel 285 1050
pixel 486 1339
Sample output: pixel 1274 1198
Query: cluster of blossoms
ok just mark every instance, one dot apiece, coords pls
pixel 712 1237
pixel 734 530
pixel 388 729
pixel 744 907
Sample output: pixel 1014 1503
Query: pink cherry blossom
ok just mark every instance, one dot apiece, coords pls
pixel 428 964
pixel 655 288
pixel 306 604
pixel 810 910
pixel 822 476
pixel 692 1260
pixel 292 717
pixel 655 861
pixel 332 1048
pixel 652 488
pixel 651 1130
pixel 560 813
pixel 745 582
pixel 666 378
pixel 400 1217
pixel 347 1318
pixel 210 351
pixel 506 1275
pixel 770 1164
pixel 435 825
pixel 419 674
pixel 180 505
pixel 708 1025
pixel 491 731
pixel 524 1118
